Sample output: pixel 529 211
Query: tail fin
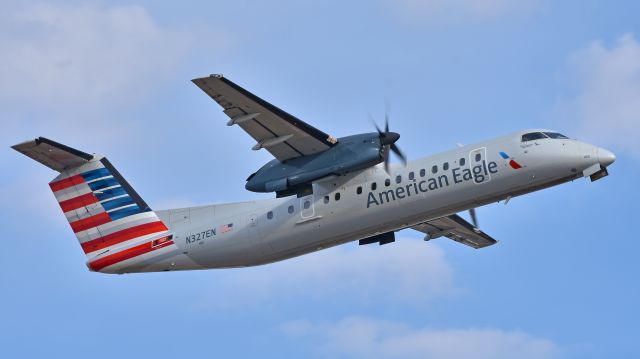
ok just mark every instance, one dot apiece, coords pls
pixel 115 227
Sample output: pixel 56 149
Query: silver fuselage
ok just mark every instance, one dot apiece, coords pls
pixel 259 232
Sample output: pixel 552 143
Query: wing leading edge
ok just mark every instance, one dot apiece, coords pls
pixel 282 134
pixel 456 228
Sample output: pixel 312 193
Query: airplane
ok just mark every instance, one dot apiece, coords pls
pixel 328 191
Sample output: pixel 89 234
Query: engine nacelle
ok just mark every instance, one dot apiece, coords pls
pixel 352 153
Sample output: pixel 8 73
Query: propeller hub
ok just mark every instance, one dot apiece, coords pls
pixel 388 141
pixel 389 138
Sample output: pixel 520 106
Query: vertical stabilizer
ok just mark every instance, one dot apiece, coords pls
pixel 116 229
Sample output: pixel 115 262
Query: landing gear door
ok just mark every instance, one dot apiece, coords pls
pixel 306 207
pixel 478 165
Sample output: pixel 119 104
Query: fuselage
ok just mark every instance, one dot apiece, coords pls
pixel 363 204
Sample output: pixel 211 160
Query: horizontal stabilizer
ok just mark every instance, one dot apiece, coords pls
pixel 52 154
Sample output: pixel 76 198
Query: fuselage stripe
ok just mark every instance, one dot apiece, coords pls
pixel 77 202
pixel 117 202
pixel 103 183
pixel 125 212
pixel 116 226
pixel 105 194
pixel 123 235
pixel 66 183
pixel 128 253
pixel 95 174
pixel 90 222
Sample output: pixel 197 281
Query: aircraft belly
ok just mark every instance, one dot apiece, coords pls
pixel 234 250
pixel 170 262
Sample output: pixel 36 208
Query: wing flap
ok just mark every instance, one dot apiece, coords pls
pixel 456 228
pixel 265 122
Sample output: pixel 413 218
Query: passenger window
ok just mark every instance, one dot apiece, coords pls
pixel 290 210
pixel 269 215
pixel 374 186
pixel 462 161
pixel 411 176
pixel 478 157
pixel 337 196
pixel 326 199
pixel 422 172
pixel 398 179
pixel 306 204
pixel 533 136
pixel 387 182
pixel 434 169
pixel 445 166
pixel 359 190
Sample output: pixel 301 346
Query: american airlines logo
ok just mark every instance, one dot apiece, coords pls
pixel 515 165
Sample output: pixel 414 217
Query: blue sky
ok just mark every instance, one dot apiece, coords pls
pixel 113 78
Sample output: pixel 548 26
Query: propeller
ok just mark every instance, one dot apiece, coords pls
pixel 388 141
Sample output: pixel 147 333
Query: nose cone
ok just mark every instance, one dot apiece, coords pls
pixel 389 138
pixel 605 157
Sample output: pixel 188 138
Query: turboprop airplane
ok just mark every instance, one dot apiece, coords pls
pixel 329 191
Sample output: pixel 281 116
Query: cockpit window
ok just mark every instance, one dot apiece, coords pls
pixel 533 136
pixel 556 135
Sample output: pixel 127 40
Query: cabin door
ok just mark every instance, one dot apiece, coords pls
pixel 306 207
pixel 479 166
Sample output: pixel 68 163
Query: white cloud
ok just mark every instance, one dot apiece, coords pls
pixel 72 70
pixel 407 271
pixel 83 55
pixel 74 73
pixel 447 11
pixel 368 338
pixel 606 105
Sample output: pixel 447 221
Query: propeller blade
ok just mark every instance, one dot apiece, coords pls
pixel 386 116
pixel 373 121
pixel 388 140
pixel 399 153
pixel 385 156
pixel 474 218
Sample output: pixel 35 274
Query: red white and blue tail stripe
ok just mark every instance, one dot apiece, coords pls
pixel 115 227
pixel 111 221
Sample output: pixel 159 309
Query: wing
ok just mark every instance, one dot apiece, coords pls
pixel 283 135
pixel 456 228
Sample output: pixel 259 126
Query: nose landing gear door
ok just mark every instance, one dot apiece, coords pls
pixel 478 165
